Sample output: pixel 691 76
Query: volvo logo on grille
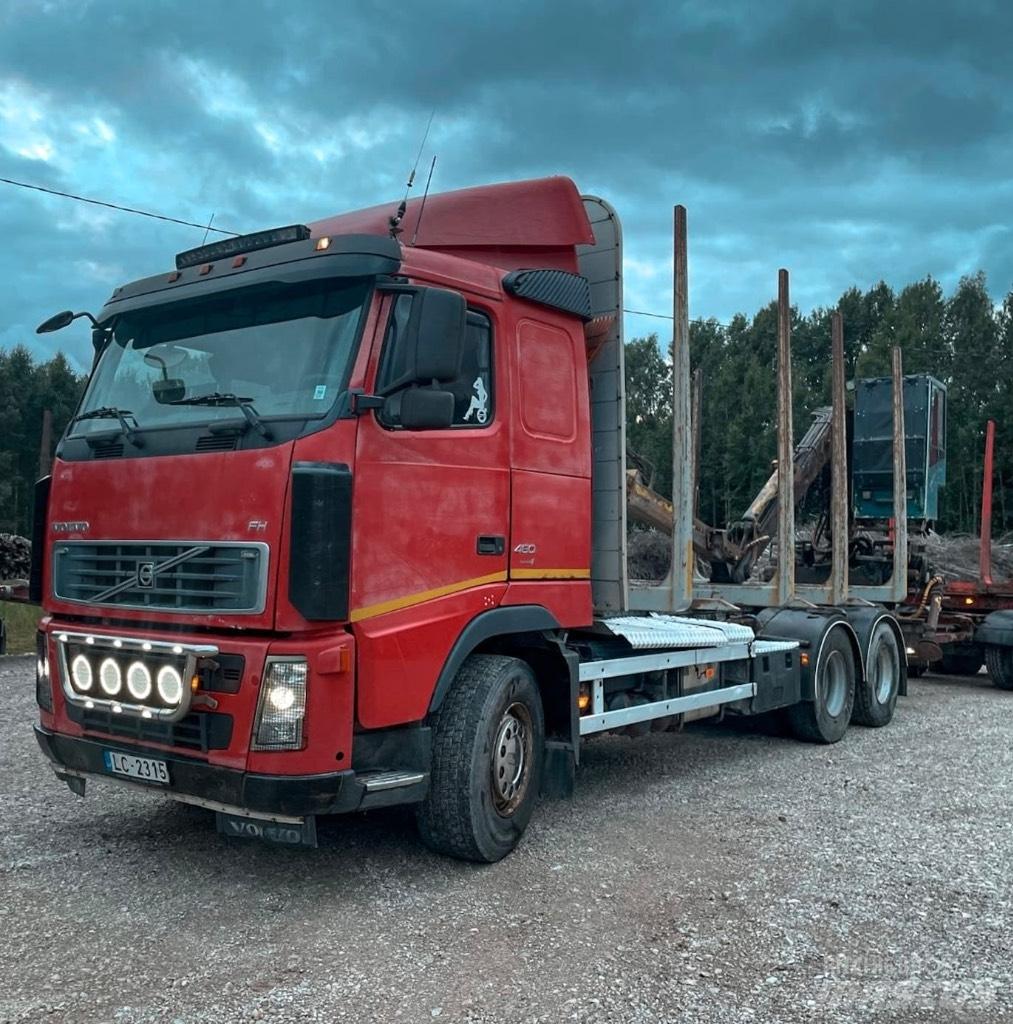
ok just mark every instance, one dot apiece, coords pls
pixel 146 575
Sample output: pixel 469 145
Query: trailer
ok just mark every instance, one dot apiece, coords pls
pixel 969 620
pixel 341 523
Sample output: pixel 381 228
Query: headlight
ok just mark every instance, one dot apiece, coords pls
pixel 170 685
pixel 110 678
pixel 282 705
pixel 81 674
pixel 139 681
pixel 43 683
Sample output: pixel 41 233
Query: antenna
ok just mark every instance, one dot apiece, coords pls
pixel 395 221
pixel 208 228
pixel 425 196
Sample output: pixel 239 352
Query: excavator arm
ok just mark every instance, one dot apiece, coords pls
pixel 733 552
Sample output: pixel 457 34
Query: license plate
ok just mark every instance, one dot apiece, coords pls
pixel 145 769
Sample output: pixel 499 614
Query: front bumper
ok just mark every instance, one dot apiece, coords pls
pixel 269 795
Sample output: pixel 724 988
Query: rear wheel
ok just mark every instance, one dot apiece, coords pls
pixel 488 745
pixel 876 695
pixel 962 660
pixel 825 719
pixel 1000 665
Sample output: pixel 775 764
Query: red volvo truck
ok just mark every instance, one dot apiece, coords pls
pixel 340 523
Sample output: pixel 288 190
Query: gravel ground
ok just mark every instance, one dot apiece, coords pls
pixel 718 875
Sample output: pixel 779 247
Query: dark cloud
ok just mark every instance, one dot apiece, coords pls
pixel 851 142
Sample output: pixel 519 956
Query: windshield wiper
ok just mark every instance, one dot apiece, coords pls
pixel 109 412
pixel 227 398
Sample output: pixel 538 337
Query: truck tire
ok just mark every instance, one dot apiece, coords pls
pixel 488 748
pixel 876 694
pixel 1000 665
pixel 826 719
pixel 962 660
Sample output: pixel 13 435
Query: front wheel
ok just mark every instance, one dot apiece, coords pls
pixel 876 695
pixel 1000 665
pixel 488 745
pixel 825 719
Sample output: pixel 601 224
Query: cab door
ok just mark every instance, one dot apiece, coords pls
pixel 430 522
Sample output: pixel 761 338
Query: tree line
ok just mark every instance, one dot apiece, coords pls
pixel 963 339
pixel 27 389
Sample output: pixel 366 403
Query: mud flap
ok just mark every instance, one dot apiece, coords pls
pixel 282 833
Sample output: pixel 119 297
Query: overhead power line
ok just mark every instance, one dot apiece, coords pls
pixel 116 206
pixel 668 316
pixel 221 231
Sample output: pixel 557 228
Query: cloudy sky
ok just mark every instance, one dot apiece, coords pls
pixel 849 141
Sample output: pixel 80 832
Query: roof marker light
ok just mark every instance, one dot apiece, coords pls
pixel 323 243
pixel 242 243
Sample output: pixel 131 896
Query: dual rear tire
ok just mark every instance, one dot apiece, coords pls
pixel 842 694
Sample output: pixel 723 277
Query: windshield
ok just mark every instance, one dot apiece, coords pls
pixel 285 348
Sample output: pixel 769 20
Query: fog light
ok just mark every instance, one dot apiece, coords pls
pixel 110 678
pixel 170 685
pixel 81 675
pixel 139 681
pixel 282 706
pixel 43 684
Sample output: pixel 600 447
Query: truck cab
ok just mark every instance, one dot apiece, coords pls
pixel 340 523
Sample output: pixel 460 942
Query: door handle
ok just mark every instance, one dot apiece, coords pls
pixel 489 544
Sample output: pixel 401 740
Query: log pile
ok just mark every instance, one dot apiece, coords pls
pixel 955 556
pixel 15 557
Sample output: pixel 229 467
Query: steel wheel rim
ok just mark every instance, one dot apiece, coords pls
pixel 885 673
pixel 835 681
pixel 511 759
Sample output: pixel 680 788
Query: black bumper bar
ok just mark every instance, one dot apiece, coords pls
pixel 293 796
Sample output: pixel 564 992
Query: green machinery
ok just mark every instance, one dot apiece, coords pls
pixel 872 450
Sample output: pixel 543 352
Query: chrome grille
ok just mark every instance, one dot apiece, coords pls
pixel 183 576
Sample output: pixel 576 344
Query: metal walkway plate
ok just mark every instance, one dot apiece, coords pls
pixel 773 646
pixel 654 631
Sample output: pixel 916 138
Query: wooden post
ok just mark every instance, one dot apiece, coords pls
pixel 838 468
pixel 785 447
pixel 681 572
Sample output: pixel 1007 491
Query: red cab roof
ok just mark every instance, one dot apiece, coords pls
pixel 514 224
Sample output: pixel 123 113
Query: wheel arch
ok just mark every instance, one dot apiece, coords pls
pixel 864 620
pixel 533 634
pixel 810 627
pixel 996 629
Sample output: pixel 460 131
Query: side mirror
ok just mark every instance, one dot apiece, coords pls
pixel 425 409
pixel 167 391
pixel 427 342
pixel 439 328
pixel 55 323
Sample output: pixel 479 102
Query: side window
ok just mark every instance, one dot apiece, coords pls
pixel 473 387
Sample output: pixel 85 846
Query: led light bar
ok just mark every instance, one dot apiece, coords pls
pixel 240 244
pixel 129 675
